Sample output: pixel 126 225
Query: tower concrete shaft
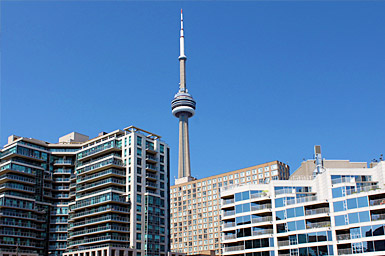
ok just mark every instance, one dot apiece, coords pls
pixel 183 107
pixel 184 147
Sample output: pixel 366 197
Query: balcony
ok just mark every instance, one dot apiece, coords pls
pixel 62 171
pixel 234 248
pixel 262 232
pixel 100 174
pixel 227 201
pixel 228 213
pixel 376 217
pixel 342 237
pixel 98 239
pixel 150 175
pixel 63 162
pixel 229 225
pixel 322 224
pixel 377 202
pixel 151 149
pixel 346 251
pixel 258 195
pixel 17 178
pixel 151 167
pixel 151 158
pixel 283 243
pixel 230 236
pixel 317 211
pixel 15 186
pixel 362 189
pixel 151 184
pixel 107 227
pixel 261 219
pixel 260 207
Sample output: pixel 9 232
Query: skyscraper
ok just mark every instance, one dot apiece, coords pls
pixel 106 196
pixel 183 107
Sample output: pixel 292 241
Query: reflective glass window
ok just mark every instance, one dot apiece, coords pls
pixel 238 208
pixel 290 213
pixel 312 237
pixel 339 206
pixel 246 207
pixel 280 215
pixel 337 192
pixel 379 245
pixel 302 239
pixel 245 195
pixel 353 218
pixel 291 226
pixel 279 202
pixel 378 230
pixel 238 197
pixel 299 212
pixel 362 201
pixel 321 236
pixel 340 220
pixel 364 216
pixel 366 231
pixel 300 224
pixel 355 233
pixel 368 246
pixel 352 203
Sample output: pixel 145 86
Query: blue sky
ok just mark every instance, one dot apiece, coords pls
pixel 271 79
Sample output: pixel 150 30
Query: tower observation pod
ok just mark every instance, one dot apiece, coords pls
pixel 183 107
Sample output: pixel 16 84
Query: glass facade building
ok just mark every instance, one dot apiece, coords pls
pixel 338 212
pixel 81 194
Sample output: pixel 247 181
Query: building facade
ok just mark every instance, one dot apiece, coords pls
pixel 195 206
pixel 79 195
pixel 340 211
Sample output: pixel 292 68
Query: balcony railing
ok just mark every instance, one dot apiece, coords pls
pixel 234 248
pixel 228 201
pixel 100 238
pixel 262 232
pixel 345 251
pixel 228 213
pixel 151 166
pixel 230 236
pixel 151 175
pixel 343 237
pixel 377 202
pixel 260 207
pixel 150 157
pixel 283 243
pixel 229 225
pixel 261 219
pixel 301 200
pixel 378 216
pixel 258 195
pixel 322 224
pixel 317 211
pixel 361 189
pixel 62 161
pixel 102 228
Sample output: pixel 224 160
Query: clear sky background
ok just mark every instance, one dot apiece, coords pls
pixel 271 79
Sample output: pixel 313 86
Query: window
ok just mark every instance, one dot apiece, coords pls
pixel 139 170
pixel 339 206
pixel 139 152
pixel 161 148
pixel 139 161
pixel 352 203
pixel 362 201
pixel 340 220
pixel 139 141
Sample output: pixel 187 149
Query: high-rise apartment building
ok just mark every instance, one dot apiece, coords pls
pixel 336 210
pixel 195 206
pixel 99 197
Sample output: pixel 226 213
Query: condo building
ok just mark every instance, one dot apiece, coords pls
pixel 336 210
pixel 105 196
pixel 196 206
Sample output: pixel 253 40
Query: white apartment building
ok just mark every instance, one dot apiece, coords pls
pixel 340 211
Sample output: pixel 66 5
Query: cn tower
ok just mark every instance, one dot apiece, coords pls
pixel 183 107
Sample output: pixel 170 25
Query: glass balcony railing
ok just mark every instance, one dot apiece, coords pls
pixel 62 161
pixel 322 224
pixel 377 202
pixel 228 201
pixel 376 217
pixel 317 211
pixel 105 172
pixel 234 248
pixel 228 213
pixel 98 239
pixel 260 207
pixel 101 228
pixel 101 209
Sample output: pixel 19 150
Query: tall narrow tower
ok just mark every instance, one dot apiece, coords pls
pixel 183 107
